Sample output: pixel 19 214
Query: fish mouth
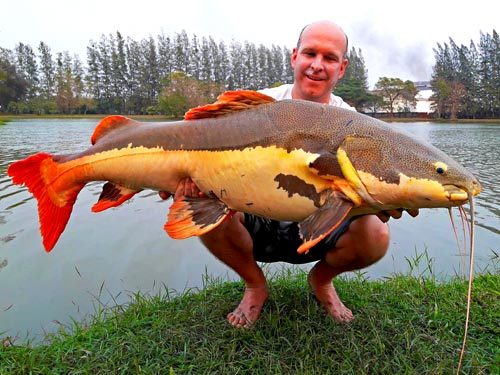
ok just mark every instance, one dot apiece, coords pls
pixel 461 194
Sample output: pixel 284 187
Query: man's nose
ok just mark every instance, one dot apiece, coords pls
pixel 317 63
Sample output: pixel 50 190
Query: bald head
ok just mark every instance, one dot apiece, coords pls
pixel 325 27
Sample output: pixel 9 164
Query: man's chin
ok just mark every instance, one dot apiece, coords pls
pixel 314 91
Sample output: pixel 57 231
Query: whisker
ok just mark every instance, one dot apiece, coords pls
pixel 454 227
pixel 464 218
pixel 460 244
pixel 471 273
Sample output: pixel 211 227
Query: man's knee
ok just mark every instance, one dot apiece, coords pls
pixel 373 238
pixel 231 233
pixel 366 242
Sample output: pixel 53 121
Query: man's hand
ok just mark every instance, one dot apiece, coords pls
pixel 396 214
pixel 164 195
pixel 185 188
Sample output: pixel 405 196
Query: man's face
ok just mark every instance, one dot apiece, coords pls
pixel 318 63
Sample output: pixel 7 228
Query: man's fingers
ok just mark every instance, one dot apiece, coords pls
pixel 186 187
pixel 396 214
pixel 164 195
pixel 413 212
pixel 383 216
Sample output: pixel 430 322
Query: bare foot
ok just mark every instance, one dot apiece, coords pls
pixel 330 300
pixel 248 311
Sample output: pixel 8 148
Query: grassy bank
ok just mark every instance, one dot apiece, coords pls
pixel 403 325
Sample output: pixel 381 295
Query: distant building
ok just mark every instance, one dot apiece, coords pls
pixel 422 108
pixel 424 104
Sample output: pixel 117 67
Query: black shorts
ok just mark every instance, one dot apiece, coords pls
pixel 278 241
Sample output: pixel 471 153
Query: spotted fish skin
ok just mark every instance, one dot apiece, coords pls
pixel 288 160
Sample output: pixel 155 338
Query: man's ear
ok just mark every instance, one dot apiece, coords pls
pixel 343 67
pixel 293 58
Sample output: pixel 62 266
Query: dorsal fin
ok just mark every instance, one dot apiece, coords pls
pixel 110 123
pixel 228 102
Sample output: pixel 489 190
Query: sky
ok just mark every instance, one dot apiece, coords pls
pixel 396 37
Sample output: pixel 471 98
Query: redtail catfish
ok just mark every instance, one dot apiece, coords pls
pixel 288 160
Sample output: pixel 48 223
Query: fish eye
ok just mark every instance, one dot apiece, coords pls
pixel 441 168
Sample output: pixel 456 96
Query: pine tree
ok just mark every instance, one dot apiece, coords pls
pixel 165 57
pixel 353 87
pixel 222 65
pixel 47 71
pixel 27 67
pixel 119 73
pixel 12 85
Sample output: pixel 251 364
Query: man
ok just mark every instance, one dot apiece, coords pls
pixel 319 61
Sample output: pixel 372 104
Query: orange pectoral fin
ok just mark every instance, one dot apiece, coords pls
pixel 112 196
pixel 322 222
pixel 195 216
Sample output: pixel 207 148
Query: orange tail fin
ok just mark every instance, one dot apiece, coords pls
pixel 54 208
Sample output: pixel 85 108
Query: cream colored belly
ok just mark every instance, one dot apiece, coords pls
pixel 246 181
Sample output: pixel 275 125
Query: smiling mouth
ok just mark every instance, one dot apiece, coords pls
pixel 316 79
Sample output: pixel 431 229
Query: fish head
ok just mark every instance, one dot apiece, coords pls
pixel 396 170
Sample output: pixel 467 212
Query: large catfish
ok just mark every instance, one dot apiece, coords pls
pixel 289 160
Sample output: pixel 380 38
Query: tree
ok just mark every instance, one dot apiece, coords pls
pixel 181 53
pixel 206 61
pixel 93 86
pixel 119 73
pixel 277 66
pixel 47 71
pixel 237 66
pixel 78 78
pixel 13 87
pixel 27 67
pixel 249 73
pixel 135 59
pixel 165 56
pixel 182 93
pixel 221 63
pixel 440 96
pixel 106 102
pixel 67 99
pixel 353 87
pixel 194 59
pixel 374 103
pixel 395 91
pixel 489 51
pixel 458 93
pixel 473 72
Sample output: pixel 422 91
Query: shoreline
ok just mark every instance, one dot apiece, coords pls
pixel 4 118
pixel 404 324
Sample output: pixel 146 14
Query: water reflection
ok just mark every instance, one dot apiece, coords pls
pixel 102 258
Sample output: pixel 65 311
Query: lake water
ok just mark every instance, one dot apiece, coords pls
pixel 101 259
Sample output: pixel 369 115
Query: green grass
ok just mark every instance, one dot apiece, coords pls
pixel 403 325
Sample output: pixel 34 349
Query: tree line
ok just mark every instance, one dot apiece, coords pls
pixel 135 77
pixel 171 74
pixel 466 80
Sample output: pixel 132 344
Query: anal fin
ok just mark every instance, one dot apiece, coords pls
pixel 195 216
pixel 323 221
pixel 112 196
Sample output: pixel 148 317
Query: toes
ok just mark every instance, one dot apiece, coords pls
pixel 347 316
pixel 238 319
